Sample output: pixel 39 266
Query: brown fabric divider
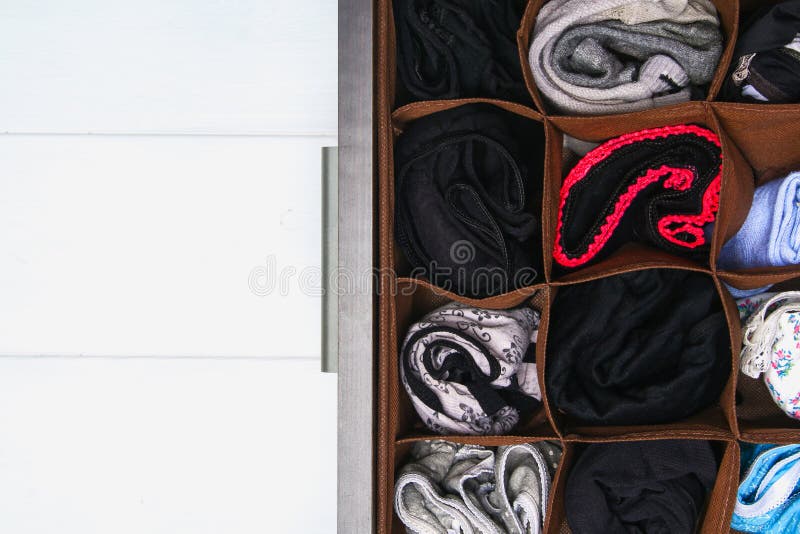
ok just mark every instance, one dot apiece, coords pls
pixel 384 54
pixel 604 127
pixel 416 110
pixel 766 135
pixel 758 144
pixel 729 21
pixel 541 355
pixel 553 155
pixel 524 45
pixel 630 257
pixel 736 196
pixel 728 397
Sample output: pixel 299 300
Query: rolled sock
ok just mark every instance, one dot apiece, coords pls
pixel 771 346
pixel 448 487
pixel 523 475
pixel 472 371
pixel 784 239
pixel 418 498
pixel 770 235
pixel 659 186
pixel 617 56
pixel 588 55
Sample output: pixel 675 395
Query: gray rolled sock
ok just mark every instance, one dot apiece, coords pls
pixel 589 76
pixel 608 54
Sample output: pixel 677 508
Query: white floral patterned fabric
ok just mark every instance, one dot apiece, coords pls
pixel 771 345
pixel 472 371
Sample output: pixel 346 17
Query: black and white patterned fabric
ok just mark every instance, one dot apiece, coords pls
pixel 470 370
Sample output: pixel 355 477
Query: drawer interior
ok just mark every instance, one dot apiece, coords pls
pixel 758 144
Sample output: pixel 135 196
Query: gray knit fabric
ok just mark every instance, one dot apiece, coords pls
pixel 448 487
pixel 591 62
pixel 599 55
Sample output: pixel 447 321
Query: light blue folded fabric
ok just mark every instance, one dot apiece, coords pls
pixel 770 236
pixel 767 499
pixel 744 293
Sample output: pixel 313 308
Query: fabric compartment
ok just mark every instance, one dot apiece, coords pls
pixel 646 190
pixel 657 358
pixel 620 56
pixel 766 248
pixel 757 148
pixel 705 480
pixel 485 484
pixel 467 192
pixel 759 412
pixel 467 369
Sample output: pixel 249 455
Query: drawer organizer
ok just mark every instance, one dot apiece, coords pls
pixel 758 143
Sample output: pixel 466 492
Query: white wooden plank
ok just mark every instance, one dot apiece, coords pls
pixel 220 66
pixel 160 245
pixel 166 447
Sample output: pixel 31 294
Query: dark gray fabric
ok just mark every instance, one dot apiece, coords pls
pixel 458 49
pixel 468 199
pixel 652 487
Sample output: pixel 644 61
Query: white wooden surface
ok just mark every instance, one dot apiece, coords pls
pixel 151 381
pixel 149 245
pixel 221 66
pixel 99 446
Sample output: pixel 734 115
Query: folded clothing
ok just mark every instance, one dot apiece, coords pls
pixel 474 174
pixel 771 346
pixel 749 305
pixel 770 236
pixel 659 186
pixel 766 62
pixel 459 48
pixel 654 349
pixel 657 487
pixel 768 496
pixel 617 56
pixel 470 370
pixel 448 487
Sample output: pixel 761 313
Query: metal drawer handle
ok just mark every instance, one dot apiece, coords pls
pixel 329 361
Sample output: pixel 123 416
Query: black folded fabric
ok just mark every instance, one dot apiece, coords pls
pixel 653 487
pixel 644 347
pixel 468 199
pixel 658 186
pixel 459 48
pixel 766 62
